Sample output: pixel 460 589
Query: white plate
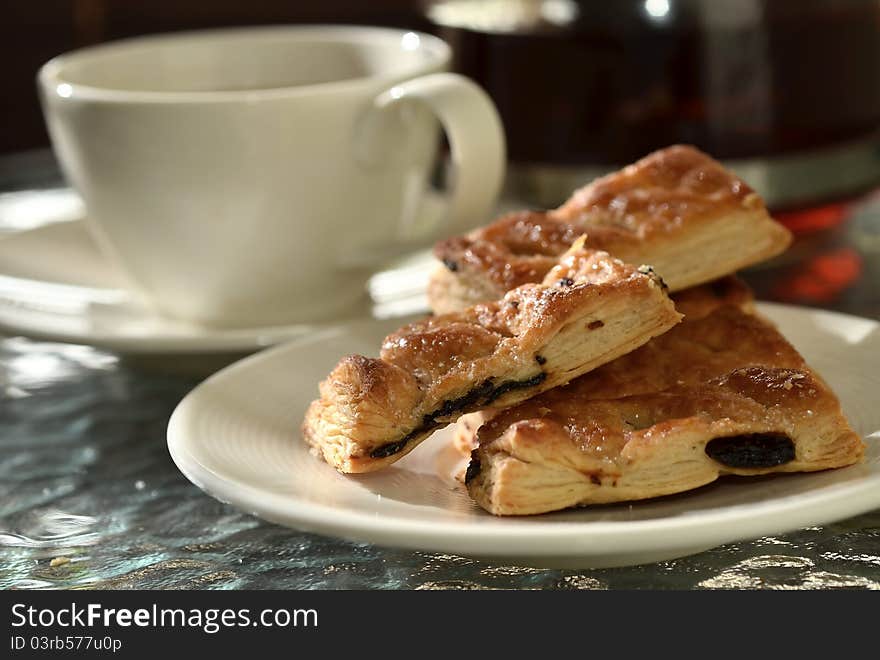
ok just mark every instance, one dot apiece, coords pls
pixel 237 437
pixel 56 285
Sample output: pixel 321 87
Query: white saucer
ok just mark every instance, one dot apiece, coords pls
pixel 56 285
pixel 237 437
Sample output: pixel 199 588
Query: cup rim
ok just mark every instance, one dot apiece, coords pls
pixel 51 74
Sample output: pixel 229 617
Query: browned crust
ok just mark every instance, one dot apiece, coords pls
pixel 492 355
pixel 638 427
pixel 648 212
pixel 708 342
pixel 700 301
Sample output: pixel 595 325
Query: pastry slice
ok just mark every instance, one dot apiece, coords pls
pixel 676 209
pixel 590 309
pixel 710 339
pixel 725 394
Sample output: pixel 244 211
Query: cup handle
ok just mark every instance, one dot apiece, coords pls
pixel 476 140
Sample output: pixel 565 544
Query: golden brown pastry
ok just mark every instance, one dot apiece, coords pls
pixel 723 394
pixel 676 209
pixel 590 309
pixel 707 343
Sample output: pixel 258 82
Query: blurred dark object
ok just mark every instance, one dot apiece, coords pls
pixel 33 32
pixel 786 93
pixel 834 261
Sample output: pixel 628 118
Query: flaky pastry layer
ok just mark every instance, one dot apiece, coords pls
pixel 724 394
pixel 590 309
pixel 676 209
pixel 709 342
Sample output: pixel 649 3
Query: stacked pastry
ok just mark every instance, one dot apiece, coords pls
pixel 598 352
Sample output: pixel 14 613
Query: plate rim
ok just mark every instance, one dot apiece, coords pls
pixel 509 537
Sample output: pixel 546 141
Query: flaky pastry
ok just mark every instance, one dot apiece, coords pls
pixel 589 309
pixel 676 209
pixel 723 394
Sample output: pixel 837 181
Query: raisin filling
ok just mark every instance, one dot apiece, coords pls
pixel 473 468
pixel 451 265
pixel 389 449
pixel 483 394
pixel 752 450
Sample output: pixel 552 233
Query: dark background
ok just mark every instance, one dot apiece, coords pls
pixel 740 79
pixel 33 32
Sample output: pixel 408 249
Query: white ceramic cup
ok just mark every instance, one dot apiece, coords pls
pixel 257 176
